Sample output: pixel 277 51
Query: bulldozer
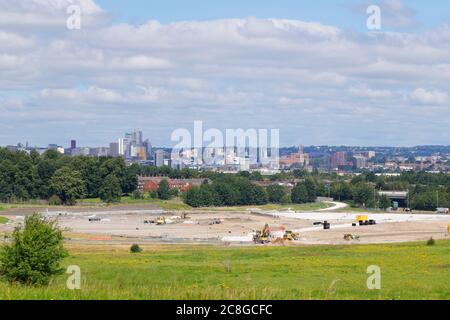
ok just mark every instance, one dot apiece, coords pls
pixel 160 221
pixel 350 236
pixel 290 235
pixel 262 236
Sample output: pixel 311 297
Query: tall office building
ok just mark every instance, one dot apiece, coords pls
pixel 114 149
pixel 124 144
pixel 136 137
pixel 148 148
pixel 73 144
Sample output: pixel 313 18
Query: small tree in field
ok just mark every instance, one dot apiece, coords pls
pixel 35 254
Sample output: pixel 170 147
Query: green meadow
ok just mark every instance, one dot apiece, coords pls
pixel 408 271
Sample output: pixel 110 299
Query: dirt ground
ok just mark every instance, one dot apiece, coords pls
pixel 128 223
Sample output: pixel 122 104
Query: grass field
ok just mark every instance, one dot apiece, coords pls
pixel 3 220
pixel 292 206
pixel 408 271
pixel 177 204
pixel 172 204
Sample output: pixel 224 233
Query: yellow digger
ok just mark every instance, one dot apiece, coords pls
pixel 290 235
pixel 262 236
pixel 160 221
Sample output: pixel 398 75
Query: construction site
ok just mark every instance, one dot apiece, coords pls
pixel 246 227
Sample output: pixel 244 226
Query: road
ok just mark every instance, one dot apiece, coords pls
pixel 336 206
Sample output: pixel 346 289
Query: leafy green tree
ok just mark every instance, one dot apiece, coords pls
pixel 35 254
pixel 256 176
pixel 384 202
pixel 276 193
pixel 193 197
pixel 129 181
pixel 227 194
pixel 363 195
pixel 163 190
pixel 299 194
pixel 311 188
pixel 68 185
pixel 259 195
pixel 111 191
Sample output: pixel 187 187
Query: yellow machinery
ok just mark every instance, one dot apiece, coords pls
pixel 350 236
pixel 161 220
pixel 290 235
pixel 364 220
pixel 263 235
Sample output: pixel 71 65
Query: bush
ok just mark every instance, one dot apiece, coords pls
pixel 135 248
pixel 137 195
pixel 35 253
pixel 153 194
pixel 54 201
pixel 163 190
pixel 431 242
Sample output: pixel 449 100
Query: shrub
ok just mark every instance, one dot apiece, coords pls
pixel 137 195
pixel 54 201
pixel 35 254
pixel 153 194
pixel 431 242
pixel 135 248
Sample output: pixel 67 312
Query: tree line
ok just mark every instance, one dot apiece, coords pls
pixel 61 179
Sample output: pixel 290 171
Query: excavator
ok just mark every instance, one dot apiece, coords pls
pixel 160 221
pixel 290 235
pixel 262 236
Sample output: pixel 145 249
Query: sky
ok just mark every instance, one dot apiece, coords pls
pixel 311 69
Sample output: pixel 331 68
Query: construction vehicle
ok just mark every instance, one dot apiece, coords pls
pixel 364 220
pixel 160 221
pixel 290 235
pixel 350 236
pixel 326 225
pixel 262 236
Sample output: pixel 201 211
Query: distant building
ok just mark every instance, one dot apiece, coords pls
pixel 298 158
pixel 84 151
pixel 159 158
pixel 360 162
pixel 114 149
pixel 123 146
pixel 12 148
pixel 244 164
pixel 73 144
pixel 338 159
pixel 149 184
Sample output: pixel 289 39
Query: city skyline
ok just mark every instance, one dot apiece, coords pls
pixel 319 76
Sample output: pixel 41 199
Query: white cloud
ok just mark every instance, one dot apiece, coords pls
pixel 232 72
pixel 140 63
pixel 424 96
pixel 365 92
